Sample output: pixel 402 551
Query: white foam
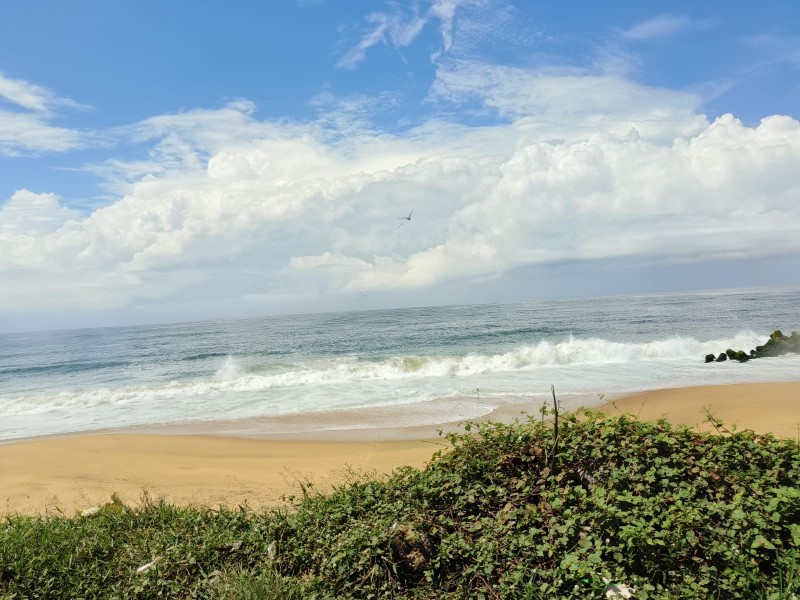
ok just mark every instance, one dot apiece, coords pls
pixel 232 379
pixel 229 371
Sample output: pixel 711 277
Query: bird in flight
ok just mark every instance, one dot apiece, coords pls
pixel 408 218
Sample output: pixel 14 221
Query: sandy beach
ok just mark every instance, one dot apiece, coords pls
pixel 72 473
pixel 763 407
pixel 76 472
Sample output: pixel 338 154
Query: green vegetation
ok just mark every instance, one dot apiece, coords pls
pixel 512 511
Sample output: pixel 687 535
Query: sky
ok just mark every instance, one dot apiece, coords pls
pixel 170 161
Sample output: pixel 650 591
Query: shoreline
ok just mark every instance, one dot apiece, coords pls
pixel 364 424
pixel 214 464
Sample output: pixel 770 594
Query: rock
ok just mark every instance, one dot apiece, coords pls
pixel 777 335
pixel 776 345
pixel 90 512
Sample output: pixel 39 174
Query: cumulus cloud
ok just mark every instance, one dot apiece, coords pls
pixel 585 167
pixel 31 214
pixel 725 192
pixel 25 120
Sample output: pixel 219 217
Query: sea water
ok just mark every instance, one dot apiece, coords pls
pixel 465 360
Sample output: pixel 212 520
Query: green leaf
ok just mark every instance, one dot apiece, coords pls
pixel 761 542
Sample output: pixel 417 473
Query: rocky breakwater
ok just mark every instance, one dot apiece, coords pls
pixel 776 345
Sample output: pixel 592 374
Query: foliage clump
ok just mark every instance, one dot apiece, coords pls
pixel 512 511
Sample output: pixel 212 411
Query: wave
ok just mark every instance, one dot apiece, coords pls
pixel 503 333
pixel 59 368
pixel 232 377
pixel 207 355
pixel 204 356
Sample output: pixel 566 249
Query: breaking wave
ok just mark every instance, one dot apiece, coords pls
pixel 232 377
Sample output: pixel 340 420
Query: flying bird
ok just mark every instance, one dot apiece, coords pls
pixel 408 218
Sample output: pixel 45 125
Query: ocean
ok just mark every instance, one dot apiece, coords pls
pixel 414 366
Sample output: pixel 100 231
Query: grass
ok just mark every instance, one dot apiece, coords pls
pixel 512 511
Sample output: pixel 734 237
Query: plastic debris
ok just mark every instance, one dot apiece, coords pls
pixel 617 590
pixel 149 566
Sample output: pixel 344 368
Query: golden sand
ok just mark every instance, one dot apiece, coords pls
pixel 763 407
pixel 76 472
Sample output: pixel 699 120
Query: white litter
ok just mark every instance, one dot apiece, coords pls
pixel 149 566
pixel 618 590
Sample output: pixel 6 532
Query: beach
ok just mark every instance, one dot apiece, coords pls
pixel 763 407
pixel 72 473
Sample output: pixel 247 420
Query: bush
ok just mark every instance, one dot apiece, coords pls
pixel 510 512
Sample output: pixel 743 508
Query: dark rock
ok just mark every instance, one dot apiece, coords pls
pixel 777 335
pixel 776 345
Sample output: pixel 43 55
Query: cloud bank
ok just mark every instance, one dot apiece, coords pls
pixel 582 167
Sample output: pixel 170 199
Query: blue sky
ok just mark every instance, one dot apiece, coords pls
pixel 170 160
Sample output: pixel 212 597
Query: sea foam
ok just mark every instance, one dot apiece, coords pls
pixel 233 377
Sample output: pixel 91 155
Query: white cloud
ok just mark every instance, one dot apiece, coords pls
pixel 22 133
pixel 661 26
pixel 31 214
pixel 27 126
pixel 588 167
pixel 445 11
pixel 400 26
pixel 32 97
pixel 379 24
pixel 569 101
